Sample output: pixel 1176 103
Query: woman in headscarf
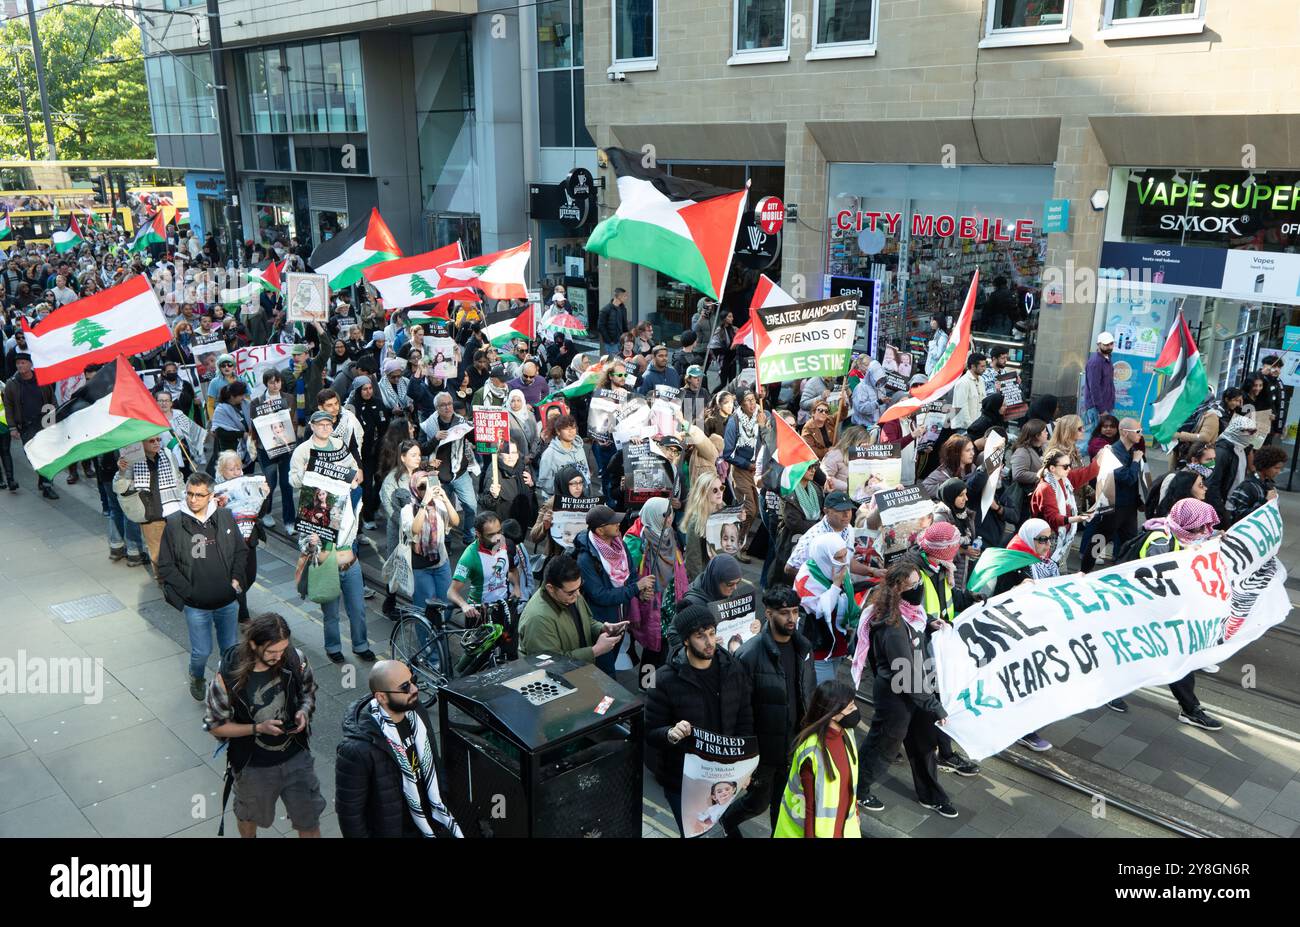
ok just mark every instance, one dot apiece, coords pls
pixel 800 510
pixel 990 417
pixel 1054 498
pixel 819 583
pixel 1232 462
pixel 569 482
pixel 514 496
pixel 523 424
pixel 717 582
pixel 952 507
pixel 1044 408
pixel 652 549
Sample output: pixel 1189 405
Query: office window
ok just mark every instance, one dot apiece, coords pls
pixel 761 25
pixel 555 35
pixel 560 115
pixel 309 87
pixel 634 32
pixel 1028 14
pixel 843 28
pixel 181 100
pixel 555 110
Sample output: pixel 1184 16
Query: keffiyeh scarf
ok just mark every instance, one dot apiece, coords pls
pixel 427 779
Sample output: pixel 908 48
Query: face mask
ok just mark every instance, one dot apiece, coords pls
pixel 171 377
pixel 851 720
pixel 914 596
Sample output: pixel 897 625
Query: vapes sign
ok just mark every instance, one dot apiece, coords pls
pixel 929 225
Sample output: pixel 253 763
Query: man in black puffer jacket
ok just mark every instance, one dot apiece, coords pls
pixel 701 686
pixel 779 663
pixel 375 793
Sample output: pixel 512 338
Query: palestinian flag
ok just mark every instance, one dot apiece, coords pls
pixel 6 226
pixel 68 239
pixel 499 275
pixel 766 294
pixel 580 387
pixel 268 279
pixel 153 232
pixel 505 328
pixel 113 409
pixel 425 316
pixel 413 280
pixel 352 250
pixel 678 227
pixel 1186 388
pixel 996 561
pixel 793 455
pixel 125 319
pixel 951 366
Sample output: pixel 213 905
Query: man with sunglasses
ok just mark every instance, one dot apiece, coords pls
pixel 200 558
pixel 530 383
pixel 387 773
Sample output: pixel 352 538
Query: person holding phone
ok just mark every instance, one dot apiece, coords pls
pixel 557 619
pixel 427 519
pixel 607 576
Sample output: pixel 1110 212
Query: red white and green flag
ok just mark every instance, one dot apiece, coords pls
pixel 580 387
pixel 766 294
pixel 345 256
pixel 269 278
pixel 499 275
pixel 6 226
pixel 679 227
pixel 125 319
pixel 951 365
pixel 997 561
pixel 113 409
pixel 414 280
pixel 65 240
pixel 792 454
pixel 1187 384
pixel 153 232
pixel 505 328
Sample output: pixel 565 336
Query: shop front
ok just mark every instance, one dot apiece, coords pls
pixel 206 194
pixel 563 215
pixel 1221 246
pixel 913 235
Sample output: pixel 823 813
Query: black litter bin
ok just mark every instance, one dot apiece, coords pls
pixel 543 748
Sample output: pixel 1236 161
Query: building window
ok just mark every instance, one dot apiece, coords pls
pixel 560 114
pixel 445 126
pixel 310 87
pixel 635 37
pixel 1121 10
pixel 180 94
pixel 1027 22
pixel 1134 19
pixel 761 27
pixel 845 29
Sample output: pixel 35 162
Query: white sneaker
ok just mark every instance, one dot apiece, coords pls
pixel 1211 669
pixel 268 521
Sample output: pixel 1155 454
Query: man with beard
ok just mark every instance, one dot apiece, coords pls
pixel 261 702
pixel 1099 379
pixel 387 773
pixel 702 686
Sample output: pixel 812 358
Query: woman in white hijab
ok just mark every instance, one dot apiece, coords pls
pixel 523 424
pixel 819 583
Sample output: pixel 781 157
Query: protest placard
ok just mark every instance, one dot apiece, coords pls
pixel 491 429
pixel 646 473
pixel 321 502
pixel 308 297
pixel 807 340
pixel 602 413
pixel 737 617
pixel 722 531
pixel 897 361
pixel 872 467
pixel 715 770
pixel 1009 385
pixel 995 449
pixel 204 346
pixel 570 517
pixel 243 497
pixel 252 362
pixel 273 423
pixel 904 513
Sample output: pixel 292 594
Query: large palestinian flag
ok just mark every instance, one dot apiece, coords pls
pixel 793 455
pixel 6 226
pixel 580 387
pixel 499 275
pixel 65 240
pixel 351 251
pixel 153 232
pixel 678 227
pixel 505 328
pixel 413 280
pixel 951 365
pixel 997 561
pixel 113 409
pixel 1187 386
pixel 125 319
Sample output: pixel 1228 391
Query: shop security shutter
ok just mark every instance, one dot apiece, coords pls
pixel 326 194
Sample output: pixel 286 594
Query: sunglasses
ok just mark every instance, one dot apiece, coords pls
pixel 1046 539
pixel 404 689
pixel 618 376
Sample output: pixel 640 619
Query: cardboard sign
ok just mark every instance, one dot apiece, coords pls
pixel 904 513
pixel 738 619
pixel 273 423
pixel 308 297
pixel 1009 385
pixel 872 467
pixel 647 474
pixel 570 517
pixel 491 429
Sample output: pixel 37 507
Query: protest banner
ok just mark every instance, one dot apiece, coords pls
pixel 995 449
pixel 748 375
pixel 491 429
pixel 252 362
pixel 602 414
pixel 570 517
pixel 715 770
pixel 308 297
pixel 872 467
pixel 904 513
pixel 1014 397
pixel 665 409
pixel 634 424
pixel 722 531
pixel 207 345
pixel 646 472
pixel 738 619
pixel 243 497
pixel 1052 648
pixel 897 361
pixel 808 340
pixel 273 424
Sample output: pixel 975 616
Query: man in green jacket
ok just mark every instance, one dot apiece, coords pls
pixel 557 619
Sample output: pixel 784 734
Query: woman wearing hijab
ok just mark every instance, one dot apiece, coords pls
pixel 568 482
pixel 990 417
pixel 1190 522
pixel 952 507
pixel 652 548
pixel 717 582
pixel 800 510
pixel 1232 462
pixel 514 496
pixel 819 583
pixel 1044 408
pixel 523 424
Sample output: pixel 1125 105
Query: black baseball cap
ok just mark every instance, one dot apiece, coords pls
pixel 499 373
pixel 839 501
pixel 602 515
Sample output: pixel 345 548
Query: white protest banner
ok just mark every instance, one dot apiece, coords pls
pixel 308 297
pixel 714 771
pixel 635 424
pixel 666 409
pixel 738 619
pixel 570 517
pixel 252 362
pixel 995 449
pixel 904 513
pixel 1053 648
pixel 273 423
pixel 722 530
pixel 872 467
pixel 602 413
pixel 243 497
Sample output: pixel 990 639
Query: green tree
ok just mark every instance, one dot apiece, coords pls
pixel 420 287
pixel 94 74
pixel 90 333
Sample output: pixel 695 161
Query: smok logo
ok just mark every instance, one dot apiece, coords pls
pixel 104 880
pixel 1214 225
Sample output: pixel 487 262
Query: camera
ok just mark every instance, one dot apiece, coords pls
pixel 617 75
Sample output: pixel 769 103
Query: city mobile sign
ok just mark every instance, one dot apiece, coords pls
pixel 941 225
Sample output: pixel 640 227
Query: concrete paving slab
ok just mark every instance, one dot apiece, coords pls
pixel 55 816
pixel 99 769
pixel 160 808
pixel 66 729
pixel 23 780
pixel 120 653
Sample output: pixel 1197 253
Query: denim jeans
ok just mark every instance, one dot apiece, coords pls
pixel 277 473
pixel 462 487
pixel 201 621
pixel 431 583
pixel 353 587
pixel 120 528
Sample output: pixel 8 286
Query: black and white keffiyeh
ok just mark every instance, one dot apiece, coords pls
pixel 428 780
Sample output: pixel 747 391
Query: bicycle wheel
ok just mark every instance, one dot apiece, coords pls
pixel 415 643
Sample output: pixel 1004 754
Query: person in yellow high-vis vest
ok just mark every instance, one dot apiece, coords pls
pixel 819 792
pixel 6 458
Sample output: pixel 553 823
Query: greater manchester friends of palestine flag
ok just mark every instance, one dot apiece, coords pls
pixel 343 258
pixel 113 409
pixel 678 227
pixel 1186 387
pixel 951 366
pixel 792 454
pixel 411 281
pixel 503 329
pixel 805 340
pixel 125 319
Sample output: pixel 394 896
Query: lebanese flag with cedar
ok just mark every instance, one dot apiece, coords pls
pixel 499 275
pixel 951 366
pixel 414 280
pixel 126 319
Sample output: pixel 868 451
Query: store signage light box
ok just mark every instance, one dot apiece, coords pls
pixel 928 225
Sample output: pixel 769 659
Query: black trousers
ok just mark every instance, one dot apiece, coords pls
pixel 28 434
pixel 897 722
pixel 1185 691
pixel 766 789
pixel 6 458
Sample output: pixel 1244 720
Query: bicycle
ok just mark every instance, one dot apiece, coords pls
pixel 422 642
pixel 498 644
